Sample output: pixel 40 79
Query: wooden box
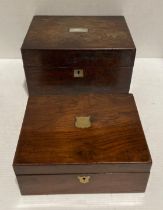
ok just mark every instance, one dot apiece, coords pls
pixel 81 53
pixel 82 143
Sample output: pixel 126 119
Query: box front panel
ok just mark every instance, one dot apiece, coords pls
pixel 45 81
pixel 83 183
pixel 79 58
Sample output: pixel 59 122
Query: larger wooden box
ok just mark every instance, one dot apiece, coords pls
pixel 87 143
pixel 78 52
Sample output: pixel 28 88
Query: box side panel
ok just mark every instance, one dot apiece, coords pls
pixel 83 183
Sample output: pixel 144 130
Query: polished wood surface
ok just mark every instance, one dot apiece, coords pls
pixel 69 183
pixel 49 43
pixel 133 167
pixel 73 126
pixel 51 53
pixel 49 136
pixel 52 32
pixel 50 81
pixel 78 58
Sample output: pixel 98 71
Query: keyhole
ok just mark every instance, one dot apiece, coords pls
pixel 78 73
pixel 84 179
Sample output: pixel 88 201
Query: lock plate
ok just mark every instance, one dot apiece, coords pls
pixel 78 73
pixel 84 179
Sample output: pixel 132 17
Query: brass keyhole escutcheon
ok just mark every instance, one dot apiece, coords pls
pixel 84 179
pixel 78 73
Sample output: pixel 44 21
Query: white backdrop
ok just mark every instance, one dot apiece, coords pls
pixel 144 18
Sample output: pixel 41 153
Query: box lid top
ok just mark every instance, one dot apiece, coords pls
pixel 78 32
pixel 53 139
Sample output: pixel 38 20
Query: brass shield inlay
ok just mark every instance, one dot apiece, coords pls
pixel 83 122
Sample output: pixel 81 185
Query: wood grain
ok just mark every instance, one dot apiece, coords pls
pixel 50 54
pixel 49 136
pixel 78 58
pixel 99 183
pixel 50 81
pixel 52 32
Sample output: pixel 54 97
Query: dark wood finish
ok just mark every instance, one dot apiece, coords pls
pixel 104 32
pixel 49 81
pixel 49 45
pixel 99 183
pixel 52 152
pixel 23 169
pixel 78 58
pixel 49 136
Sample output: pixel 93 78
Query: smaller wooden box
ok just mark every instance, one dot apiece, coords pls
pixel 78 53
pixel 87 143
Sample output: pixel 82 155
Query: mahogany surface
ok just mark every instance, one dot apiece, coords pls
pixel 50 53
pixel 50 81
pixel 53 151
pixel 49 137
pixel 69 183
pixel 52 32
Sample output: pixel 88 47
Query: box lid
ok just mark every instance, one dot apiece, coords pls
pixel 86 133
pixel 78 32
